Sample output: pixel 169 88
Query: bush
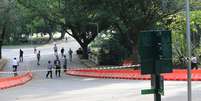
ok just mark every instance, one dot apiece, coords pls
pixel 110 51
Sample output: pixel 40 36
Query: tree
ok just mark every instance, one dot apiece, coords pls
pixel 178 27
pixel 83 20
pixel 4 18
pixel 13 22
pixel 76 18
pixel 132 16
pixel 40 12
pixel 128 17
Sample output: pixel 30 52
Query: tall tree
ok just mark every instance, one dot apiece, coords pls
pixel 84 22
pixel 4 18
pixel 133 16
pixel 76 18
pixel 129 17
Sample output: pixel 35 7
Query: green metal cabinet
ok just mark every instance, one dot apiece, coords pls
pixel 155 48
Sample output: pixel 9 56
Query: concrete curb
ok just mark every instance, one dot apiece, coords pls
pixel 176 75
pixel 15 81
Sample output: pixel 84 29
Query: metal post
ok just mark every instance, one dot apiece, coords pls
pixel 30 38
pixel 156 84
pixel 189 48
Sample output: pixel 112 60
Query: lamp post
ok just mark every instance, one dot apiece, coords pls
pixel 30 38
pixel 188 32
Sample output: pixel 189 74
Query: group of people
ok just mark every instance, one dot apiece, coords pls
pixel 70 52
pixel 56 64
pixel 15 63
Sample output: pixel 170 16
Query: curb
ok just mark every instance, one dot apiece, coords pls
pixel 176 75
pixel 15 81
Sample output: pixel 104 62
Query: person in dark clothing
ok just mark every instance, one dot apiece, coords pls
pixel 62 51
pixel 58 67
pixel 65 63
pixel 70 52
pixel 21 55
pixel 38 58
pixel 55 49
pixel 49 72
pixel 35 50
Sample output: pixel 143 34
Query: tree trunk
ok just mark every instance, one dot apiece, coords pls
pixel 62 35
pixel 50 36
pixel 85 51
pixel 132 44
pixel 128 43
pixel 0 49
pixel 2 38
pixel 135 52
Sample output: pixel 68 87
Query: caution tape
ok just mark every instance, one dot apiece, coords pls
pixel 25 71
pixel 116 67
pixel 75 68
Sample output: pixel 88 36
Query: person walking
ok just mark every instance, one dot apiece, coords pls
pixel 62 51
pixel 38 58
pixel 58 67
pixel 65 63
pixel 194 62
pixel 49 67
pixel 70 52
pixel 55 49
pixel 15 64
pixel 21 55
pixel 35 50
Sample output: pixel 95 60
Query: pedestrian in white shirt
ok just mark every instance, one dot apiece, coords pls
pixel 49 67
pixel 15 64
pixel 194 62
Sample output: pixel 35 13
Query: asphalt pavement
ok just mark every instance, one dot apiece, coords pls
pixel 70 88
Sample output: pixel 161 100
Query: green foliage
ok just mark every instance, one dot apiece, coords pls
pixel 178 27
pixel 129 17
pixel 108 48
pixel 83 19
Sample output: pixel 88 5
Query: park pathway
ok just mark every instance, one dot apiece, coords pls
pixel 69 88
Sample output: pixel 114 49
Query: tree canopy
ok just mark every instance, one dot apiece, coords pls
pixel 84 19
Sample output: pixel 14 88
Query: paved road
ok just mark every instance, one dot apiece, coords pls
pixel 68 88
pixel 30 58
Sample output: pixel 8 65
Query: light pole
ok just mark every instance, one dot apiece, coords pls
pixel 30 38
pixel 188 32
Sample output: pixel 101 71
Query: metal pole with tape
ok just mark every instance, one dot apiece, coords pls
pixel 188 32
